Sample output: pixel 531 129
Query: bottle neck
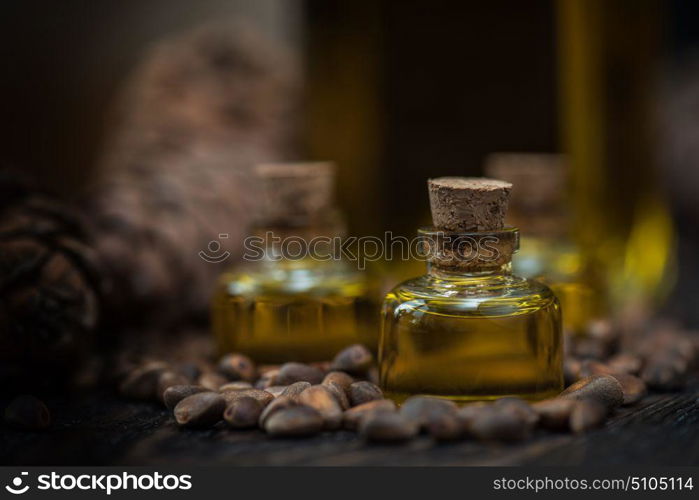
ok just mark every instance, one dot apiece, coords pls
pixel 541 223
pixel 329 223
pixel 448 273
pixel 273 235
pixel 478 253
pixel 295 245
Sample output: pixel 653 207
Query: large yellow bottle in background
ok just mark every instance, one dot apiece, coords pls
pixel 607 56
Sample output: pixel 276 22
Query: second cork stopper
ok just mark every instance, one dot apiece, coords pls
pixel 295 193
pixel 467 204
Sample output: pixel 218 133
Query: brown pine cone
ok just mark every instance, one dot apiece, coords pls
pixel 199 112
pixel 49 287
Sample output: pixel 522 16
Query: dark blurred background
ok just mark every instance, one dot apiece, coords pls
pixel 398 91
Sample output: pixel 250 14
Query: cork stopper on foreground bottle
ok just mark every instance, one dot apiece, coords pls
pixel 295 194
pixel 468 204
pixel 477 207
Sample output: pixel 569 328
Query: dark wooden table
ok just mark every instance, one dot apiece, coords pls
pixel 102 429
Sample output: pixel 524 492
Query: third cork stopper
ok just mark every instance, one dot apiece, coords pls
pixel 465 204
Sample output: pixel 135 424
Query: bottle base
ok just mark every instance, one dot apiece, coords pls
pixel 400 397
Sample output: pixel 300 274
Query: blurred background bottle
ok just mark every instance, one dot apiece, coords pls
pixel 608 66
pixel 539 208
pixel 294 298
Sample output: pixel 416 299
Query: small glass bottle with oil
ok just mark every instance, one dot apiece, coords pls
pixel 294 299
pixel 547 251
pixel 469 329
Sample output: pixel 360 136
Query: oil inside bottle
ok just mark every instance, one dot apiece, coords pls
pixel 468 338
pixel 294 310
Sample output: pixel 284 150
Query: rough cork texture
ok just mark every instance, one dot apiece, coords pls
pixel 466 204
pixel 295 193
pixel 469 205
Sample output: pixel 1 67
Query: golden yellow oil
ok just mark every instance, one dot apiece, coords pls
pixel 294 311
pixel 469 338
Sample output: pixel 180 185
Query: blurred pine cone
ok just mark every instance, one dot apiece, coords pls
pixel 198 114
pixel 200 111
pixel 49 286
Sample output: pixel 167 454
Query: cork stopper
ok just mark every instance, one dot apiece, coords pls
pixel 294 194
pixel 538 204
pixel 540 178
pixel 467 204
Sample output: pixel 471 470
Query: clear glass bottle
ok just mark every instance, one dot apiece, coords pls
pixel 469 329
pixel 289 306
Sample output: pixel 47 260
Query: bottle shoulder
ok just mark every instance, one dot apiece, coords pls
pixel 559 261
pixel 500 292
pixel 293 278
